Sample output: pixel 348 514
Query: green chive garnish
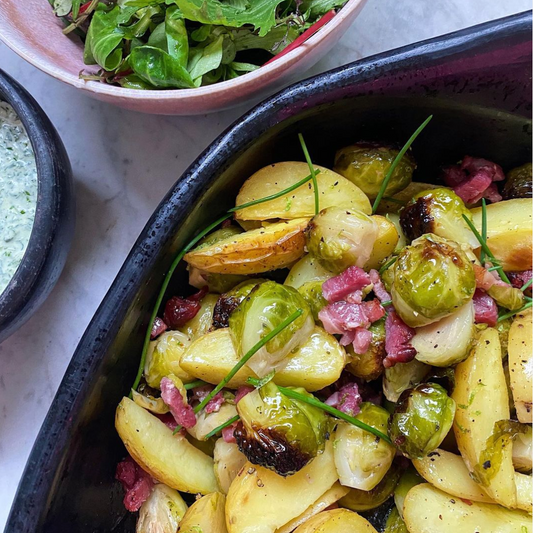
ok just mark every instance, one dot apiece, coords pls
pixel 526 285
pixel 194 384
pixel 312 170
pixel 483 229
pixel 222 426
pixel 389 263
pixel 513 313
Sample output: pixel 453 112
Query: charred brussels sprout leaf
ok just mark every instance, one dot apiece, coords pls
pixel 278 432
pixel 421 420
pixel 432 279
pixel 518 183
pixel 367 164
pixel 438 211
pixel 340 238
pixel 264 309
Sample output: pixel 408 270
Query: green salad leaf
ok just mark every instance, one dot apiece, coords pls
pixel 315 8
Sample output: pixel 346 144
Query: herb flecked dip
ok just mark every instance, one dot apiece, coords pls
pixel 18 192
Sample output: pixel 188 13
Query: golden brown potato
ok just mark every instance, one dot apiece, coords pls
pixel 315 365
pixel 169 458
pixel 228 462
pixel 509 232
pixel 261 500
pixel 448 472
pixel 253 252
pixel 385 243
pixel 336 521
pixel 328 498
pixel 520 349
pixel 401 198
pixel 334 190
pixel 205 515
pixel 429 510
pixel 482 400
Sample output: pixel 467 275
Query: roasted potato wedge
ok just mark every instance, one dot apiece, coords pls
pixel 332 495
pixel 174 461
pixel 385 243
pixel 429 510
pixel 259 492
pixel 482 400
pixel 228 462
pixel 253 252
pixel 336 521
pixel 315 365
pixel 334 190
pixel 448 472
pixel 520 349
pixel 509 232
pixel 205 515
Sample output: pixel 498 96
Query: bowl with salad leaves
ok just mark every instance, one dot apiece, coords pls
pixel 326 324
pixel 175 56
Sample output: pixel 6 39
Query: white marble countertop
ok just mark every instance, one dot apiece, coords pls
pixel 123 165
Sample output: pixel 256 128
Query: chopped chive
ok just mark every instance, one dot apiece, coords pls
pixel 390 262
pixel 222 426
pixel 528 298
pixel 311 400
pixel 486 249
pixel 492 269
pixel 396 162
pixel 513 313
pixel 526 285
pixel 394 200
pixel 258 383
pixel 245 359
pixel 386 302
pixel 180 256
pixel 194 384
pixel 483 229
pixel 312 170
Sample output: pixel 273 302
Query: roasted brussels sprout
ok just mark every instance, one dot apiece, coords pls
pixel 202 322
pixel 162 511
pixel 369 365
pixel 307 269
pixel 265 308
pixel 228 461
pixel 149 402
pixel 438 211
pixel 518 183
pixel 421 420
pixel 340 238
pixel 163 358
pixel 507 296
pixel 278 432
pixel 403 376
pixel 408 480
pixel 363 500
pixel 523 451
pixel 207 422
pixel 432 279
pixel 395 523
pixel 367 164
pixel 312 293
pixel 362 459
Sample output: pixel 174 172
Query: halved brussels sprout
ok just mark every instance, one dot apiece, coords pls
pixel 312 294
pixel 393 204
pixel 408 480
pixel 253 252
pixel 432 279
pixel 162 511
pixel 523 451
pixel 367 164
pixel 163 358
pixel 340 238
pixel 207 422
pixel 149 402
pixel 437 211
pixel 518 183
pixel 228 461
pixel 362 459
pixel 421 420
pixel 448 341
pixel 307 269
pixel 369 365
pixel 278 432
pixel 395 523
pixel 385 243
pixel 403 376
pixel 363 500
pixel 202 322
pixel 507 296
pixel 333 190
pixel 402 241
pixel 266 307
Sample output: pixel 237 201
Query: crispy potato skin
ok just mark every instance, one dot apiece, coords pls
pixel 336 521
pixel 253 252
pixel 334 190
pixel 429 510
pixel 509 232
pixel 520 348
pixel 482 400
pixel 174 461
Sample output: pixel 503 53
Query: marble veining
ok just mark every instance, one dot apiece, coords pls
pixel 124 163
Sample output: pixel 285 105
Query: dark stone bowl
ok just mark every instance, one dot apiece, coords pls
pixel 54 214
pixel 477 85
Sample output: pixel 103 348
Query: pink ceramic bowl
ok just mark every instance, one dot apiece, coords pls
pixel 31 30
